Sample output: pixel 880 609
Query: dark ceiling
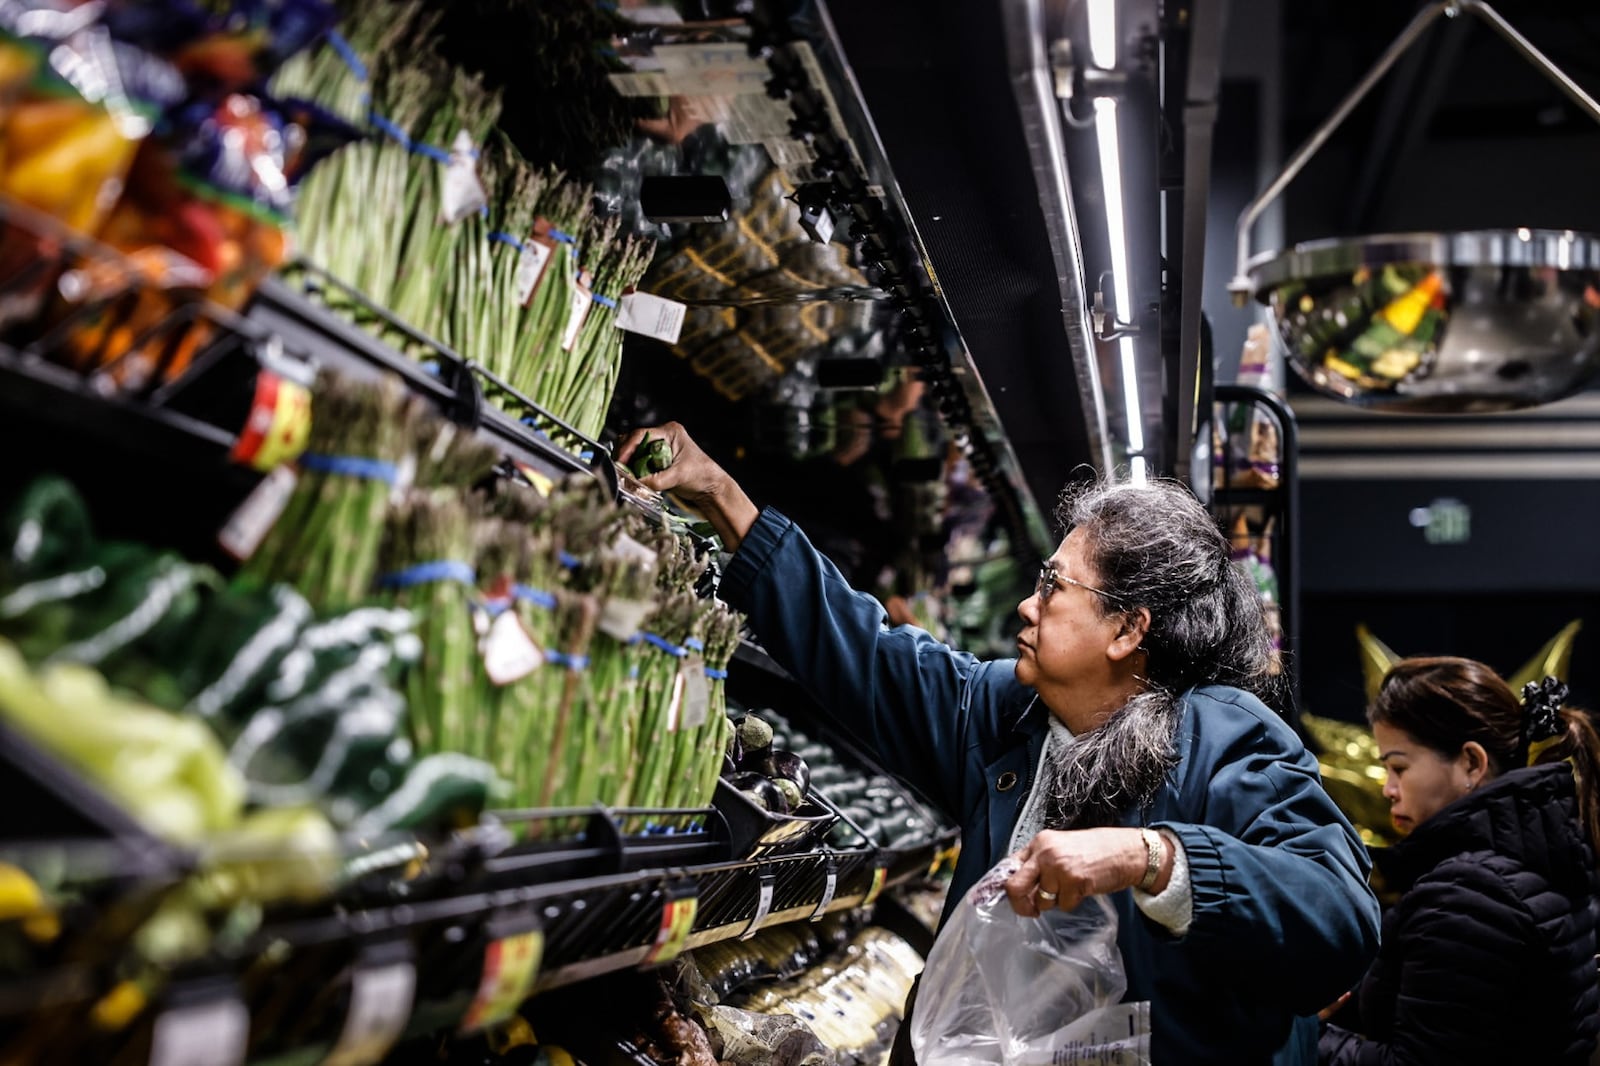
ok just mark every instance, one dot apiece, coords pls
pixel 1464 133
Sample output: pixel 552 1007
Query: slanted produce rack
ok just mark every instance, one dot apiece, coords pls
pixel 441 911
pixel 1280 504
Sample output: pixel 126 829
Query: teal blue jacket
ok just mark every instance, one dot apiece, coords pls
pixel 1284 920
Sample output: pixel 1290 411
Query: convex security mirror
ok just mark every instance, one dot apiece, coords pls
pixel 1470 321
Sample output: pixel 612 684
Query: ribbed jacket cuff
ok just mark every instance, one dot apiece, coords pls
pixel 1208 884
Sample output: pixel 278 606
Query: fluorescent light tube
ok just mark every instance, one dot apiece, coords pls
pixel 1103 33
pixel 1105 125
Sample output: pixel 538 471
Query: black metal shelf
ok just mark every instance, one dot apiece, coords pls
pixel 1283 504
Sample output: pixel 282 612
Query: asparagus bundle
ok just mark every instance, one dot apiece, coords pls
pixel 425 293
pixel 695 781
pixel 352 212
pixel 665 696
pixel 426 570
pixel 327 539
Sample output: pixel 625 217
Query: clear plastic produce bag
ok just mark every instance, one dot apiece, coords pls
pixel 1013 991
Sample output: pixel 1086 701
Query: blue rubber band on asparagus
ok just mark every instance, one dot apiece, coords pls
pixel 716 675
pixel 506 238
pixel 605 301
pixel 402 138
pixel 343 49
pixel 350 466
pixel 535 596
pixel 570 561
pixel 575 663
pixel 425 573
pixel 694 644
pixel 564 238
pixel 663 643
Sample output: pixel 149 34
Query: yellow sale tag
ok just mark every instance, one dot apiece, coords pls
pixel 509 966
pixel 279 424
pixel 941 858
pixel 879 876
pixel 677 919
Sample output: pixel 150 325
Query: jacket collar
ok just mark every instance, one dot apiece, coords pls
pixel 1511 816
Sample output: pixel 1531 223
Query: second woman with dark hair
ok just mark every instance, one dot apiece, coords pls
pixel 1489 954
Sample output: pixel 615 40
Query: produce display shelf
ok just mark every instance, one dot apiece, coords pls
pixel 292 307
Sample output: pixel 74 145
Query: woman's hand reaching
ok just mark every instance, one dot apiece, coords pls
pixel 694 478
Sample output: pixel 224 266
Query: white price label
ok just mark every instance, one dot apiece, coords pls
pixel 582 300
pixel 205 1034
pixel 509 653
pixel 380 1005
pixel 651 316
pixel 763 908
pixel 630 550
pixel 620 619
pixel 253 519
pixel 463 193
pixel 532 261
pixel 696 693
pixel 829 887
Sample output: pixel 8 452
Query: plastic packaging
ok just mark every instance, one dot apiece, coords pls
pixel 1254 450
pixel 1003 989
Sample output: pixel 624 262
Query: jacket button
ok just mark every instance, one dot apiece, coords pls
pixel 1006 781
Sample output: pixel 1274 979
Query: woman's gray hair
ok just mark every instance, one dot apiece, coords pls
pixel 1154 546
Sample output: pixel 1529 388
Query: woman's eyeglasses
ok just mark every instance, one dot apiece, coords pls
pixel 1049 577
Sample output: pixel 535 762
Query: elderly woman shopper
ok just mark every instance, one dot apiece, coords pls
pixel 1124 752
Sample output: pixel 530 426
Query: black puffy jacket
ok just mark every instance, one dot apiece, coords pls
pixel 1489 955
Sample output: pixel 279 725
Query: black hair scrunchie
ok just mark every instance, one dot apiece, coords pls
pixel 1541 711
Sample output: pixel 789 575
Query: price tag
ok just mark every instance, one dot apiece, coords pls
pixel 620 619
pixel 509 966
pixel 254 518
pixel 532 261
pixel 651 316
pixel 582 300
pixel 830 885
pixel 462 193
pixel 278 425
pixel 213 1033
pixel 763 908
pixel 509 653
pixel 677 921
pixel 541 484
pixel 380 1005
pixel 696 692
pixel 879 876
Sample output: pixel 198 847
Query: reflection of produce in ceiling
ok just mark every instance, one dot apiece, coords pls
pixel 762 253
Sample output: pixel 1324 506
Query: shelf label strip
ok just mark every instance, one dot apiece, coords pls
pixel 763 908
pixel 677 919
pixel 381 997
pixel 213 1033
pixel 830 885
pixel 509 967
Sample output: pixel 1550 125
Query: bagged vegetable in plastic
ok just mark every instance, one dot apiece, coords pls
pixel 75 104
pixel 1003 989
